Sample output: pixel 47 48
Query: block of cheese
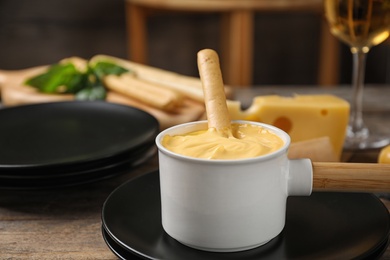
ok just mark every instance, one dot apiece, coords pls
pixel 303 117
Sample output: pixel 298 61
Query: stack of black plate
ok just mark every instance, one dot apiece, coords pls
pixel 321 226
pixel 68 143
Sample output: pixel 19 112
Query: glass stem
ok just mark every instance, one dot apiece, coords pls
pixel 359 64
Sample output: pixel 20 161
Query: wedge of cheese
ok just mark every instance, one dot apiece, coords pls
pixel 303 117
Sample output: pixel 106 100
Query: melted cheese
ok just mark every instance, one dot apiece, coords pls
pixel 245 141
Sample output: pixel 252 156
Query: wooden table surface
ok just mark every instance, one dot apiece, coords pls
pixel 66 223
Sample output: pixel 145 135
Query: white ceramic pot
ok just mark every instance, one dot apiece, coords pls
pixel 228 205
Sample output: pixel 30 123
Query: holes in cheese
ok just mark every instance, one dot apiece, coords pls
pixel 303 117
pixel 283 123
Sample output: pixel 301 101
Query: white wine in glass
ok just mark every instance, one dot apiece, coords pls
pixel 361 24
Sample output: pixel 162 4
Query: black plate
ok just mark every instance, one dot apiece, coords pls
pixel 80 178
pixel 118 250
pixel 57 173
pixel 322 226
pixel 122 253
pixel 72 133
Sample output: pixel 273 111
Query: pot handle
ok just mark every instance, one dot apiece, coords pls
pixel 300 178
pixel 351 177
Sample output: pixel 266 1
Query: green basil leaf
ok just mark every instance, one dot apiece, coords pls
pixel 65 78
pixel 60 78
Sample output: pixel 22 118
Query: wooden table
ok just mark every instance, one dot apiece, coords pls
pixel 66 223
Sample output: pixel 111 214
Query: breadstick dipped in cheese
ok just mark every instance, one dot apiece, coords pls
pixel 222 139
pixel 214 94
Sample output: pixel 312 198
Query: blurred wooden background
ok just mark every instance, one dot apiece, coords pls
pixel 286 45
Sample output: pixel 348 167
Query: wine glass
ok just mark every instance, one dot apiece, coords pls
pixel 361 24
